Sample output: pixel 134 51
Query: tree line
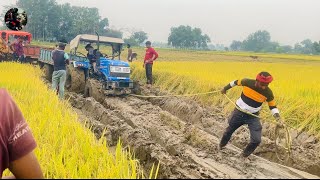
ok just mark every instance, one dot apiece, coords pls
pixel 260 41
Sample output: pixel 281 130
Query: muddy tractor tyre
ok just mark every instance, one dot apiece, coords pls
pixel 94 89
pixel 75 79
pixel 48 70
pixel 136 88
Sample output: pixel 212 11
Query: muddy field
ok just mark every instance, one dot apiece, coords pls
pixel 184 136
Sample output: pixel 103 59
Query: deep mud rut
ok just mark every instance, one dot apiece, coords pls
pixel 184 137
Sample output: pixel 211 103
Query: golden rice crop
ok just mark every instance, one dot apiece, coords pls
pixel 295 86
pixel 66 148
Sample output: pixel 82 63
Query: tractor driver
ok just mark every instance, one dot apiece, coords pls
pixel 91 56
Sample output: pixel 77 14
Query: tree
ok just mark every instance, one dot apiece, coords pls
pixel 140 36
pixel 257 41
pixel 113 33
pixel 49 20
pixel 186 37
pixel 298 48
pixel 137 38
pixel 285 49
pixel 211 47
pixel 103 25
pixel 236 45
pixel 316 47
pixel 307 46
pixel 271 47
pixel 43 17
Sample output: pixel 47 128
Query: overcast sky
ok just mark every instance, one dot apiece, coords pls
pixel 288 21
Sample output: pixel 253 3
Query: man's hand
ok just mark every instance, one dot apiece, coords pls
pixel 280 123
pixel 223 91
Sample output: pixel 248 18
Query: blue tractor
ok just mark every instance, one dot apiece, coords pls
pixel 99 77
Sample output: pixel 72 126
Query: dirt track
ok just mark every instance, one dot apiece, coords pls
pixel 184 137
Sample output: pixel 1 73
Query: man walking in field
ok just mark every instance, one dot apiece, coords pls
pixel 151 55
pixel 254 93
pixel 129 53
pixel 60 59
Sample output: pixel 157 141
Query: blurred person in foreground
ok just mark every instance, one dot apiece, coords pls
pixel 16 142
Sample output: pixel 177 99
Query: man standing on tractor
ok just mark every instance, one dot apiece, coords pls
pixel 60 59
pixel 151 55
pixel 17 48
pixel 254 93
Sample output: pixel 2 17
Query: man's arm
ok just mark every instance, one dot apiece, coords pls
pixel 67 58
pixel 21 159
pixel 274 110
pixel 26 167
pixel 232 84
pixel 155 55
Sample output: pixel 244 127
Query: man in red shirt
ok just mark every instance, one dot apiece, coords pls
pixel 16 142
pixel 151 55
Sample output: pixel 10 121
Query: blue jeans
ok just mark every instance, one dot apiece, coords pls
pixel 59 78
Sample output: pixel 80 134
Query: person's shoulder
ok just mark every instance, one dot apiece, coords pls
pixel 247 80
pixel 250 80
pixel 269 90
pixel 4 95
pixel 152 49
pixel 3 92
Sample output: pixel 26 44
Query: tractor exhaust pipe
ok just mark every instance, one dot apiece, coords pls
pixel 98 40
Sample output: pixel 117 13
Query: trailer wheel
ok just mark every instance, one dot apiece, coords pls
pixel 48 70
pixel 93 88
pixel 75 79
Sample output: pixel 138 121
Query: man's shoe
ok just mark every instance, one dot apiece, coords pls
pixel 244 155
pixel 221 147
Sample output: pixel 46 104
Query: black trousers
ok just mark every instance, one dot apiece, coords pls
pixel 238 119
pixel 149 73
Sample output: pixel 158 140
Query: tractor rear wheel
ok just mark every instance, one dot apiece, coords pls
pixel 75 79
pixel 48 70
pixel 94 89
